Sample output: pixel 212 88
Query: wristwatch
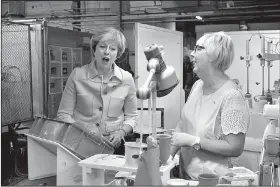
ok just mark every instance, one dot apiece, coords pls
pixel 197 144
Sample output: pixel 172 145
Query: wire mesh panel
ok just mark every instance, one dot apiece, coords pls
pixel 16 95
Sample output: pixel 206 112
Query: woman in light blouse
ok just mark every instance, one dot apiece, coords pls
pixel 101 94
pixel 215 118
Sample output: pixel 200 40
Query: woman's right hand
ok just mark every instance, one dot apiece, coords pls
pixel 183 139
pixel 175 159
pixel 116 138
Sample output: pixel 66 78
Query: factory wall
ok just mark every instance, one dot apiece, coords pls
pixel 46 8
pixel 138 7
pixel 106 13
pixel 110 10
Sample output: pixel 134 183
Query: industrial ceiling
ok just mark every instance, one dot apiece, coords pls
pixel 212 11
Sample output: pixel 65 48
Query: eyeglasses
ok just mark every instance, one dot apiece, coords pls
pixel 198 48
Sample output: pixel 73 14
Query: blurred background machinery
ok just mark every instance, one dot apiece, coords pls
pixel 16 100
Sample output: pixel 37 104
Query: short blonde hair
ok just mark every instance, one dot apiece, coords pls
pixel 221 46
pixel 108 33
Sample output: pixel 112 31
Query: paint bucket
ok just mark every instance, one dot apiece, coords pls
pixel 132 149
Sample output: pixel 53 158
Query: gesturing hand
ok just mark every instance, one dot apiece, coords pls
pixel 116 138
pixel 181 139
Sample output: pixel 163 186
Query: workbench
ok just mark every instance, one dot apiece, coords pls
pixel 93 168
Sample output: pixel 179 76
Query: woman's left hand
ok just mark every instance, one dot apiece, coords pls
pixel 116 138
pixel 182 139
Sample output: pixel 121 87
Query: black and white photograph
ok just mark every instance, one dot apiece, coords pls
pixel 55 86
pixel 66 55
pixel 54 54
pixel 140 93
pixel 66 69
pixel 55 69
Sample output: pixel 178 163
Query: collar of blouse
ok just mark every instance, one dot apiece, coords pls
pixel 92 72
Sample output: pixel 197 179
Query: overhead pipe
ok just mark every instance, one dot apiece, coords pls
pixel 247 3
pixel 127 18
pixel 180 20
pixel 241 17
pixel 222 12
pixel 77 27
pixel 204 20
pixel 204 13
pixel 248 7
pixel 153 21
pixel 74 16
pixel 85 20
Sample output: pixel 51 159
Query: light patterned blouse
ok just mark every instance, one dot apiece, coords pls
pixel 211 116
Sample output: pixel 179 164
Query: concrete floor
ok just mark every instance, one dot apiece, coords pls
pixel 49 181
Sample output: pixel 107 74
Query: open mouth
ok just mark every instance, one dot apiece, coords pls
pixel 105 59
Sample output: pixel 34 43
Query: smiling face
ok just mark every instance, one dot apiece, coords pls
pixel 201 60
pixel 105 54
pixel 213 52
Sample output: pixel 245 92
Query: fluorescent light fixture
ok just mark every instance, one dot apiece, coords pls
pixel 23 21
pixel 199 17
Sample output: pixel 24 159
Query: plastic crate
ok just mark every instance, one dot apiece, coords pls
pixel 84 144
pixel 242 176
pixel 53 130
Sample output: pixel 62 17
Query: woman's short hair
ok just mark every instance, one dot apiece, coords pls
pixel 106 34
pixel 221 46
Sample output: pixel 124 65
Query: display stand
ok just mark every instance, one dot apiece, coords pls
pixel 47 158
pixel 68 171
pixel 41 159
pixel 93 168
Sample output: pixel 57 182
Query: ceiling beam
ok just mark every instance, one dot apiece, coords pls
pixel 218 13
